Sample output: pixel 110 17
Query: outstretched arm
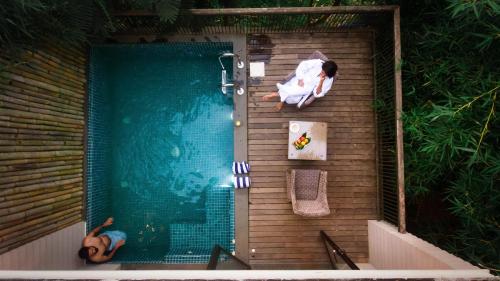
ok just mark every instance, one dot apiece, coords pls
pixel 96 230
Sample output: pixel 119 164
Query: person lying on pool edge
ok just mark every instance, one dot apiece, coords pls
pixel 101 248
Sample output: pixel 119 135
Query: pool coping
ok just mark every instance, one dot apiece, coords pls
pixel 241 150
pixel 241 196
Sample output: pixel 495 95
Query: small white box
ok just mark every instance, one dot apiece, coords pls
pixel 257 69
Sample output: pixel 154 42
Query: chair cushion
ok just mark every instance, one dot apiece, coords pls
pixel 306 184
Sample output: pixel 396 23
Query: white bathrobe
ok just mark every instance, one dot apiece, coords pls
pixel 308 71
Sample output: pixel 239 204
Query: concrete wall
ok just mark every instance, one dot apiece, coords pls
pixel 57 250
pixel 255 275
pixel 390 249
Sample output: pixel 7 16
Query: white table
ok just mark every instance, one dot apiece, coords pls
pixel 316 149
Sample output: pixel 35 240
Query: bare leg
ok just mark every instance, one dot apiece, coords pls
pixel 270 96
pixel 279 106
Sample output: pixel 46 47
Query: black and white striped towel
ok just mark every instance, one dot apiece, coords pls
pixel 241 168
pixel 241 182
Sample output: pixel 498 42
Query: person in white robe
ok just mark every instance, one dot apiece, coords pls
pixel 316 76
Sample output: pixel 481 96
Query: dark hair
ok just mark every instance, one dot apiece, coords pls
pixel 83 253
pixel 330 68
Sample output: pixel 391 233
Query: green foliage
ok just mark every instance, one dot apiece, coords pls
pixel 477 18
pixel 452 131
pixel 474 197
pixel 166 9
pixel 27 23
pixel 269 3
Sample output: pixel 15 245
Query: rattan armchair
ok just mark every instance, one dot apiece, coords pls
pixel 307 190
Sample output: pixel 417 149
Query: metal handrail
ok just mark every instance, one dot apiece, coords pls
pixel 214 258
pixel 336 250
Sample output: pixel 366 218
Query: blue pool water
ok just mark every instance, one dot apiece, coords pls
pixel 160 146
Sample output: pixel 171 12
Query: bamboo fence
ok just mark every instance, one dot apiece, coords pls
pixel 42 97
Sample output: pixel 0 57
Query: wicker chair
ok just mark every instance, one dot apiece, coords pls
pixel 306 100
pixel 306 189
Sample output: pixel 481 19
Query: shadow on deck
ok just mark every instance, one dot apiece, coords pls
pixel 280 238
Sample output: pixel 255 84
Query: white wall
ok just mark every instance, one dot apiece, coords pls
pixel 58 250
pixel 389 249
pixel 254 275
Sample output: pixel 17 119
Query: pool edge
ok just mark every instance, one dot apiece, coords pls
pixel 241 196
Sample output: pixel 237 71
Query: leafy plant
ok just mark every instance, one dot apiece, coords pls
pixel 25 24
pixel 166 9
pixel 452 130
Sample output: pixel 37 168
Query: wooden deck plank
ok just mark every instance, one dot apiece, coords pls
pixel 280 238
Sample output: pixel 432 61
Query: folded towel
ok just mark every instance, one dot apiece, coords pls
pixel 241 167
pixel 241 182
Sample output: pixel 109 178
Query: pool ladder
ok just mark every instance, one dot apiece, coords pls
pixel 224 82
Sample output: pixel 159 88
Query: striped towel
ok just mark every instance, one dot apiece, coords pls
pixel 241 182
pixel 241 168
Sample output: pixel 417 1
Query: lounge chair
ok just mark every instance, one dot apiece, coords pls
pixel 306 100
pixel 306 189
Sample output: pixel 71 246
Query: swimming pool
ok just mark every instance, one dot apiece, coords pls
pixel 159 149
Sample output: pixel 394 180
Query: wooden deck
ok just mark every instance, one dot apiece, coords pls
pixel 280 238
